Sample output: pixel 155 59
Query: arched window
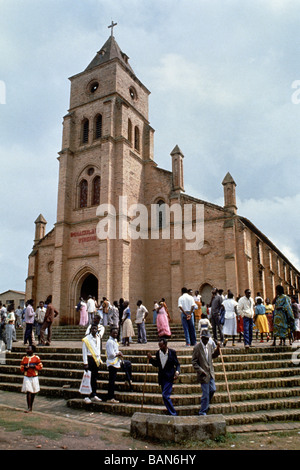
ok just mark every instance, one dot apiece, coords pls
pixel 129 131
pixel 137 138
pixel 83 193
pixel 85 131
pixel 161 214
pixel 96 191
pixel 98 126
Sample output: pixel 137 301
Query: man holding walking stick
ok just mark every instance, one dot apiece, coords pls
pixel 203 354
pixel 168 371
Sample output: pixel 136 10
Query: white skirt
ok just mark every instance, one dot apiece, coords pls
pixel 297 324
pixel 229 327
pixel 31 384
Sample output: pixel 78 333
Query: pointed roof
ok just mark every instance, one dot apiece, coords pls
pixel 228 179
pixel 109 51
pixel 176 150
pixel 40 219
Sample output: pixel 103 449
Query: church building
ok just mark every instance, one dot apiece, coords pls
pixel 106 157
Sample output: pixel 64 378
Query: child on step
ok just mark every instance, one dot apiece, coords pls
pixel 30 365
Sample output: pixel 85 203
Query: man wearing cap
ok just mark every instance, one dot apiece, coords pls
pixel 203 354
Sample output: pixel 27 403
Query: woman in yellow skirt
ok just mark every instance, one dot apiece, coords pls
pixel 197 311
pixel 261 320
pixel 269 312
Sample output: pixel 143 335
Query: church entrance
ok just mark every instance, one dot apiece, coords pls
pixel 205 292
pixel 89 287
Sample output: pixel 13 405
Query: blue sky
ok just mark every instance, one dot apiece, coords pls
pixel 221 75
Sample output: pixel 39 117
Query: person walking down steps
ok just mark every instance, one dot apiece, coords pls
pixel 202 360
pixel 168 371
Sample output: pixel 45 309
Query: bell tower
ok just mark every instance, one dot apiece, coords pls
pixel 106 142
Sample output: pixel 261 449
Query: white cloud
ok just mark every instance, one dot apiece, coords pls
pixel 277 219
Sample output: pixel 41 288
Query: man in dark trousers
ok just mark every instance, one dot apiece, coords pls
pixel 203 354
pixel 50 314
pixel 168 371
pixel 215 305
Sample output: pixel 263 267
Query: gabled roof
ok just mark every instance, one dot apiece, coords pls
pixel 14 291
pixel 109 51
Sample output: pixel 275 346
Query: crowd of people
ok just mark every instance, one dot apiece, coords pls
pixel 117 315
pixel 228 318
pixel 165 360
pixel 242 317
pixel 224 316
pixel 36 323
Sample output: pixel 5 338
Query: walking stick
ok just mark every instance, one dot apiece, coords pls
pixel 145 383
pixel 221 355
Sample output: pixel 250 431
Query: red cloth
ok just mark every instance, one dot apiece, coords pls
pixel 32 361
pixel 239 324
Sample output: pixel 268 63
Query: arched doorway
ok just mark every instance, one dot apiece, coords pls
pixel 205 292
pixel 84 283
pixel 89 286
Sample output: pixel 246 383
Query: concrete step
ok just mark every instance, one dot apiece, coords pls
pixel 76 332
pixel 264 382
pixel 282 409
pixel 182 394
pixel 243 380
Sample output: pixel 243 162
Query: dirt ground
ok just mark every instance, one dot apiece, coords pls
pixel 35 431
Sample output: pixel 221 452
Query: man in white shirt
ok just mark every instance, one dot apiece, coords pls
pixel 3 311
pixel 115 361
pixel 187 305
pixel 29 320
pixel 245 308
pixel 10 327
pixel 39 319
pixel 168 371
pixel 91 353
pixel 141 315
pixel 100 328
pixel 91 308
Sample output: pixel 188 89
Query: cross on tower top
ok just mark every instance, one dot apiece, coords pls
pixel 112 27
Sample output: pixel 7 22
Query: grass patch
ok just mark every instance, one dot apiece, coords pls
pixel 37 425
pixel 219 442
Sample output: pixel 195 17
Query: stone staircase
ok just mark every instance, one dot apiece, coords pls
pixel 264 382
pixel 76 333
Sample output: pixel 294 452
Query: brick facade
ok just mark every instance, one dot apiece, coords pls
pixel 234 255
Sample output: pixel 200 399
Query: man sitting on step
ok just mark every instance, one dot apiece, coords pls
pixel 115 361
